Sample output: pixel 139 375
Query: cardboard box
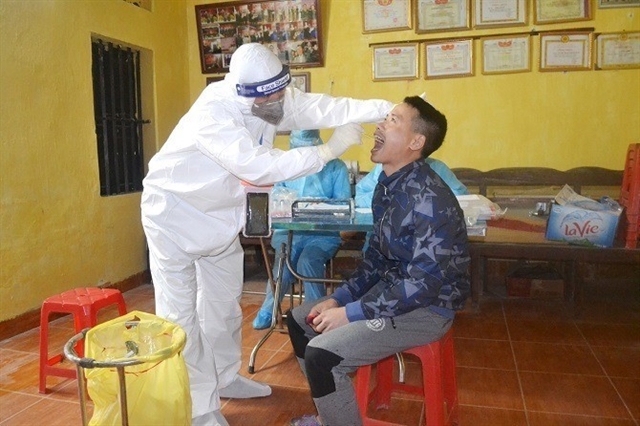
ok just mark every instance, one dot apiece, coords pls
pixel 579 220
pixel 536 281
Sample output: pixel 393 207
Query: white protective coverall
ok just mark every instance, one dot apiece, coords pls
pixel 193 207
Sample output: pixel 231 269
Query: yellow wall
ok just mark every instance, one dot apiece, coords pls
pixel 559 120
pixel 57 232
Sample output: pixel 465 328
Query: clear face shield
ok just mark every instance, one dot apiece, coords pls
pixel 269 96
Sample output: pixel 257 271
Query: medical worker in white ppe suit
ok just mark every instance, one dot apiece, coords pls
pixel 193 206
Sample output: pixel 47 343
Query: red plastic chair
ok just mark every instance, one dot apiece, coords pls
pixel 439 388
pixel 83 304
pixel 630 195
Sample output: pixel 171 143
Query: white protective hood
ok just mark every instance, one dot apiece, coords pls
pixel 244 66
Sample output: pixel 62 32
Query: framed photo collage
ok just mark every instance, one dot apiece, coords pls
pixel 291 29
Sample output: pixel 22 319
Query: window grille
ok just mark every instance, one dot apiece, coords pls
pixel 118 116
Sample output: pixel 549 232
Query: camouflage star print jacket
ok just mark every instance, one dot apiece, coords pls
pixel 418 255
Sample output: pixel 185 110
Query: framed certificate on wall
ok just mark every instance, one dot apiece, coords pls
pixel 506 54
pixel 565 51
pixel 499 13
pixel 442 15
pixel 451 58
pixel 552 11
pixel 395 62
pixel 386 15
pixel 618 51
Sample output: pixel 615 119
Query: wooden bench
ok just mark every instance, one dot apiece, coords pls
pixel 518 185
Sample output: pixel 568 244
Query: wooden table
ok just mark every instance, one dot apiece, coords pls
pixel 504 242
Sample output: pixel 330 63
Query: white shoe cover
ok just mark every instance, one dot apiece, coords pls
pixel 243 388
pixel 214 418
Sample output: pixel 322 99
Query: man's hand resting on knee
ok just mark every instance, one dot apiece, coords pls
pixel 327 316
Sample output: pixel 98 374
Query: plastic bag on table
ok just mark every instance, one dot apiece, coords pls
pixel 480 207
pixel 157 390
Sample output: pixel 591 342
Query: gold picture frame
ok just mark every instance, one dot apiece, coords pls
pixel 290 28
pixel 607 4
pixel 499 13
pixel 449 58
pixel 566 51
pixel 553 11
pixel 395 61
pixel 436 15
pixel 386 15
pixel 618 51
pixel 506 54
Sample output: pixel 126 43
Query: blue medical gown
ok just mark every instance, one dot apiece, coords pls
pixel 366 185
pixel 311 250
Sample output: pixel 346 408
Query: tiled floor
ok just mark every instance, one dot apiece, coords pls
pixel 519 362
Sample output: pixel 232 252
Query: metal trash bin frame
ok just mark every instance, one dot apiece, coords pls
pixel 82 363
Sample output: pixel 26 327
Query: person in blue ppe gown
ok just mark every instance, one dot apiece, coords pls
pixel 310 251
pixel 366 185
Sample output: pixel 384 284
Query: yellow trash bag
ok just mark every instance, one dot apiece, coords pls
pixel 157 389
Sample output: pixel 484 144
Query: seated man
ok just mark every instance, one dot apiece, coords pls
pixel 310 251
pixel 412 279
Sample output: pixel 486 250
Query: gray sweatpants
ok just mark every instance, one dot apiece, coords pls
pixel 328 358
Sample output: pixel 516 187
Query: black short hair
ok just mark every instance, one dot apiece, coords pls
pixel 430 122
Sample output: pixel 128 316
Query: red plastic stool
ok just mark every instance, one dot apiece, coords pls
pixel 439 389
pixel 83 304
pixel 630 195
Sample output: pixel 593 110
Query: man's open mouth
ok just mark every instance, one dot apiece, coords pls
pixel 378 141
